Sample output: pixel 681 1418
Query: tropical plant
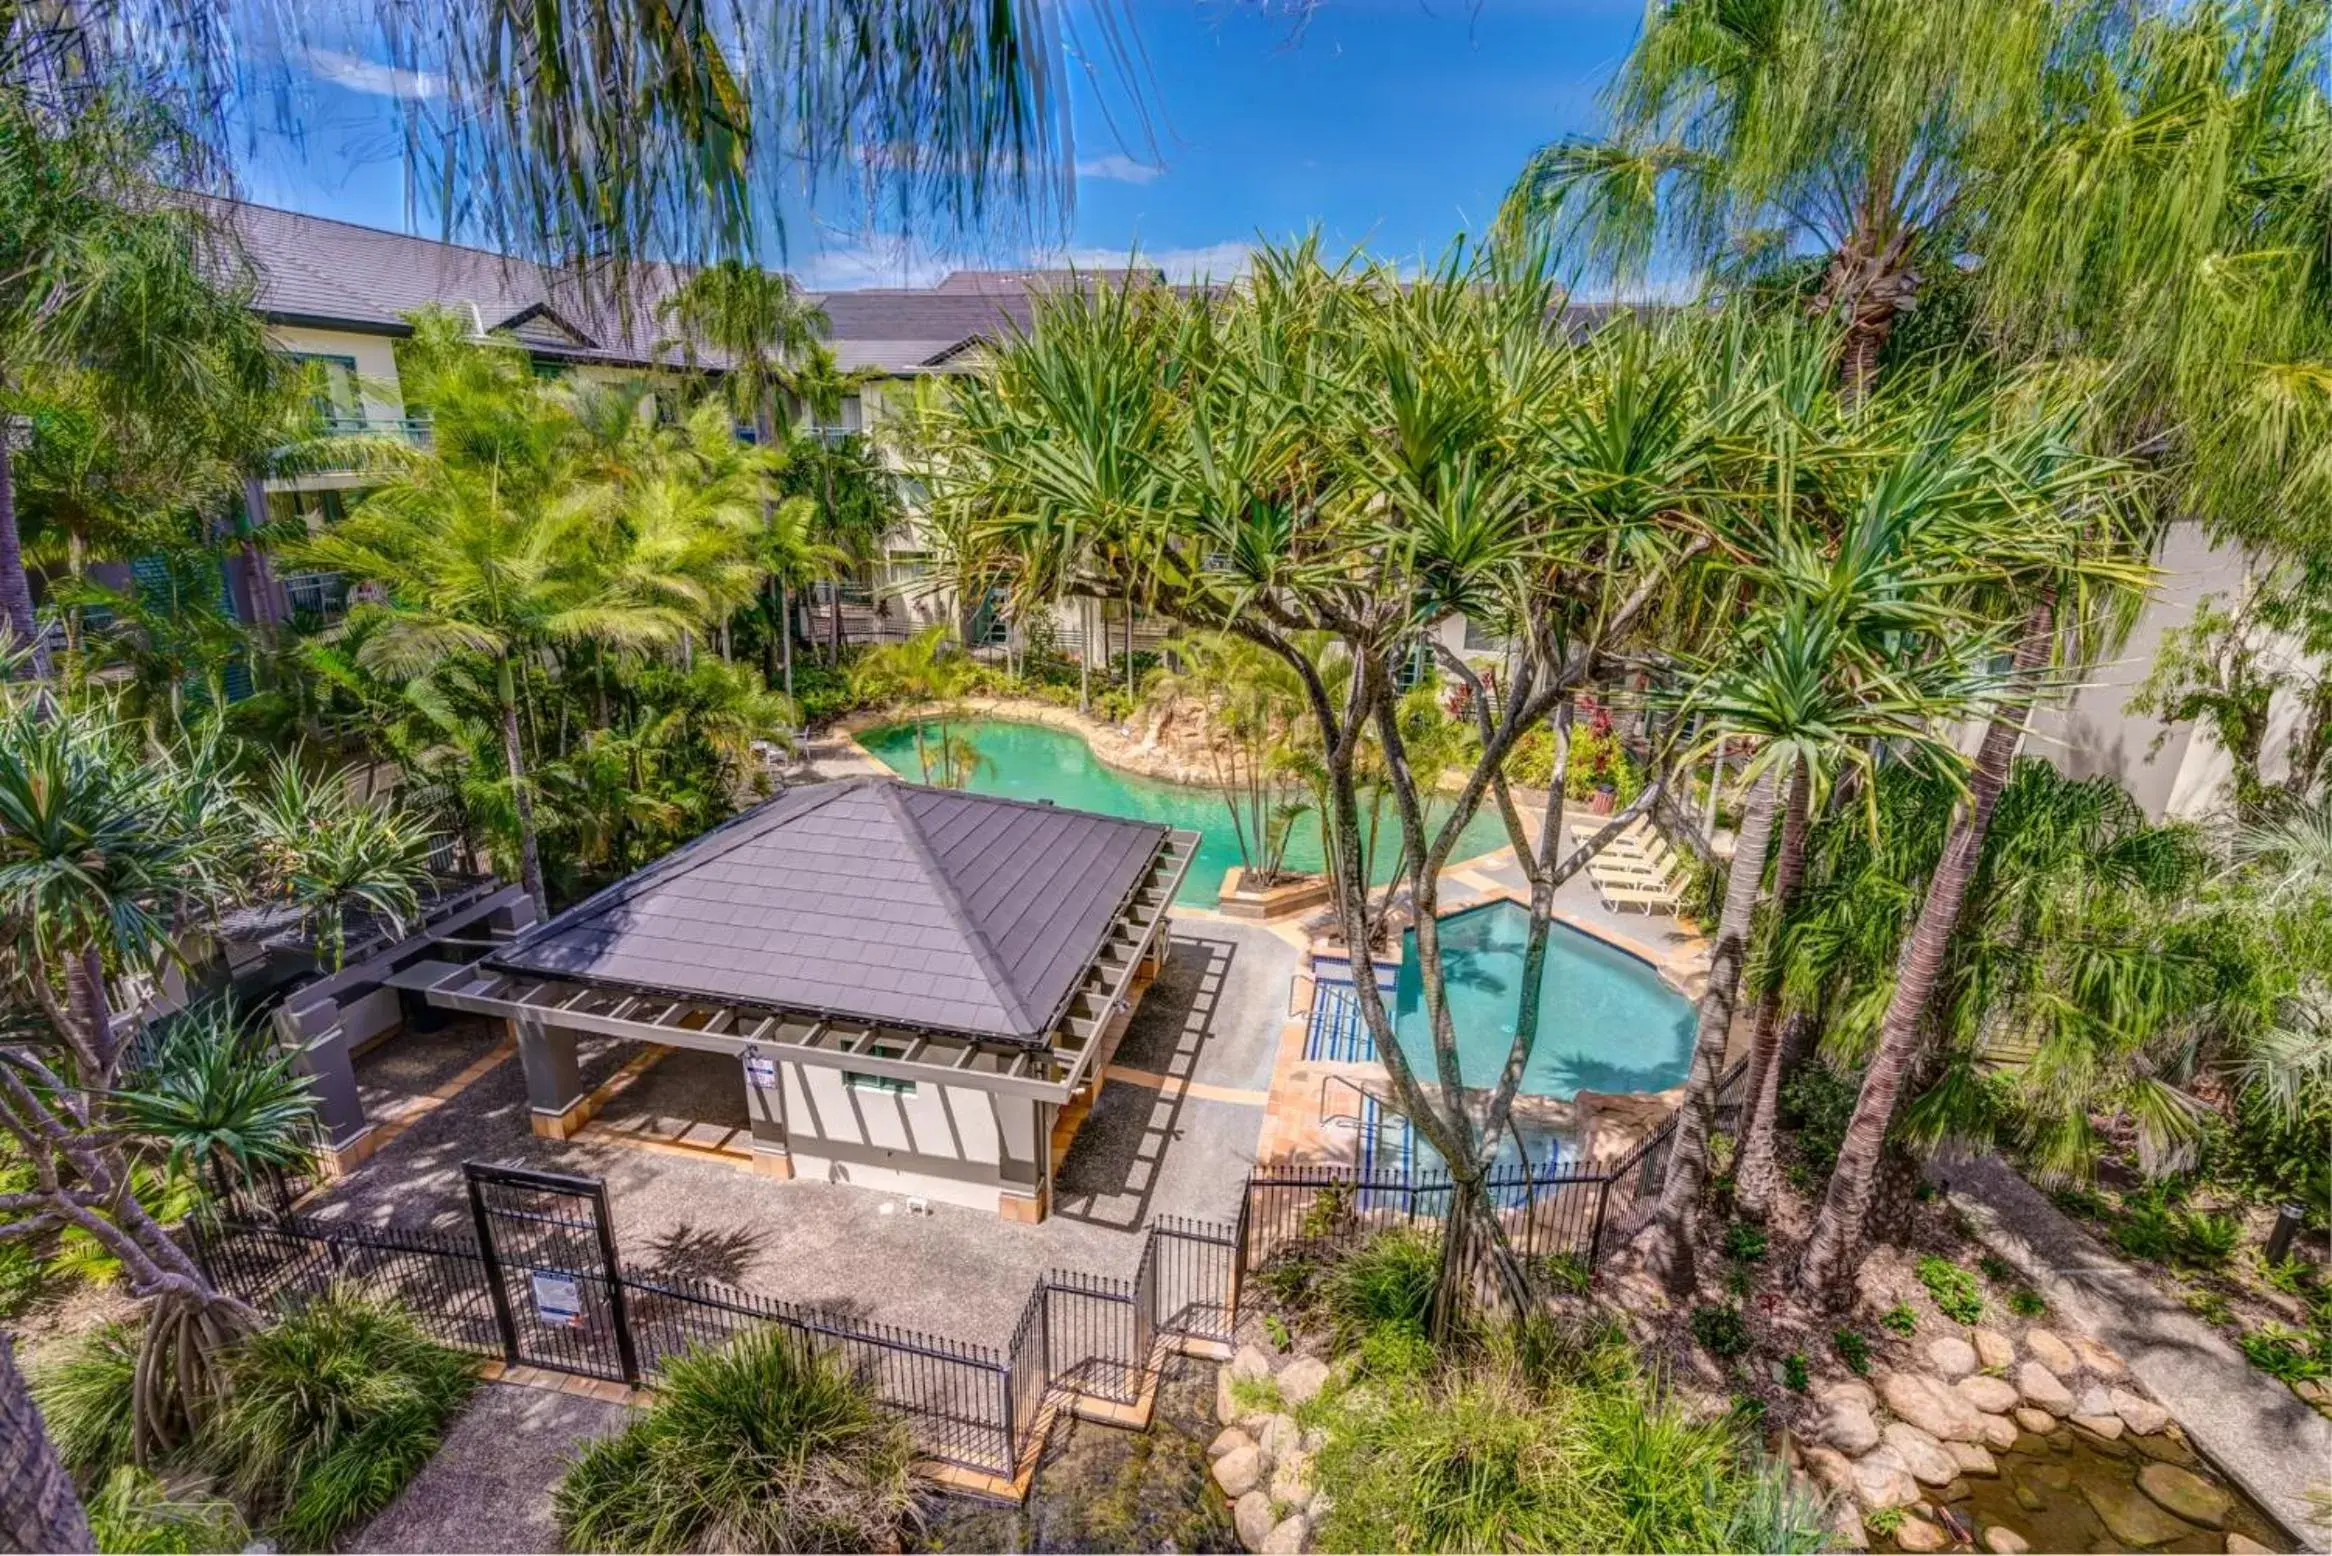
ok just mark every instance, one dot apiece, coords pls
pixel 221 1099
pixel 767 1443
pixel 103 276
pixel 87 1394
pixel 928 673
pixel 329 1411
pixel 1248 703
pixel 328 852
pixel 134 1512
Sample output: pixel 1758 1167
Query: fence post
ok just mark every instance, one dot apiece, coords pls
pixel 1595 1238
pixel 1239 1253
pixel 626 1353
pixel 503 1319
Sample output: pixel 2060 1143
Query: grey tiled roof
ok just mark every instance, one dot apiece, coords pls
pixel 870 899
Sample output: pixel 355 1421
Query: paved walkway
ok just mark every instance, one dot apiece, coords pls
pixel 2251 1426
pixel 488 1486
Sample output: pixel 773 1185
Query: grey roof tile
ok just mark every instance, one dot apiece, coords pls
pixel 868 899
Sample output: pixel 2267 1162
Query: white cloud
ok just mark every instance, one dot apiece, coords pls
pixel 850 266
pixel 1206 262
pixel 373 80
pixel 1118 168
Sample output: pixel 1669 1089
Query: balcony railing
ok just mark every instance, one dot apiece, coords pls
pixel 319 454
pixel 319 594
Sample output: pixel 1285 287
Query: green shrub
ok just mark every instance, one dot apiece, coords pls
pixel 1566 1273
pixel 2284 1353
pixel 330 1411
pixel 2210 1306
pixel 1397 1351
pixel 1275 1329
pixel 87 1397
pixel 1816 1105
pixel 1853 1349
pixel 134 1514
pixel 1387 1281
pixel 1794 1372
pixel 1953 1289
pixel 2025 1302
pixel 2207 1238
pixel 761 1445
pixel 823 692
pixel 1745 1242
pixel 1883 1520
pixel 1581 1454
pixel 1721 1330
pixel 1289 1280
pixel 1900 1318
pixel 1996 1268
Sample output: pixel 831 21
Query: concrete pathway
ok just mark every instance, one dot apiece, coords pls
pixel 2251 1426
pixel 488 1487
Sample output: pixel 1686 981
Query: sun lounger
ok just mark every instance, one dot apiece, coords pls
pixel 1651 900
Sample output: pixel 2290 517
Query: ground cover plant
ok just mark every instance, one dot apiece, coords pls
pixel 323 1417
pixel 767 1443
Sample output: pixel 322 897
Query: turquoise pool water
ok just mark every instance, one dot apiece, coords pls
pixel 1032 762
pixel 1606 1021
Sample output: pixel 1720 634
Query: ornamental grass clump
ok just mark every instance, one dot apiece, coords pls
pixel 329 1412
pixel 1548 1447
pixel 87 1396
pixel 762 1445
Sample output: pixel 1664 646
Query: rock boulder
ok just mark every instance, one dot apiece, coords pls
pixel 2050 1351
pixel 1917 1534
pixel 2128 1515
pixel 1993 1349
pixel 1950 1357
pixel 1922 1454
pixel 1287 1536
pixel 1991 1395
pixel 1882 1479
pixel 1972 1459
pixel 1229 1438
pixel 2187 1494
pixel 1305 1377
pixel 2004 1541
pixel 1239 1471
pixel 1251 1516
pixel 2041 1387
pixel 1933 1406
pixel 1847 1426
pixel 2142 1416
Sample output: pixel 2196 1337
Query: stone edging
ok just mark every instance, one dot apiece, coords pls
pixel 2256 1431
pixel 1111 744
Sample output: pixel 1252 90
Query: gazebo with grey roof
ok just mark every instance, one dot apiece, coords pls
pixel 915 982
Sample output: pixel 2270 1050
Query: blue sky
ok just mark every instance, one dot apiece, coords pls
pixel 1386 123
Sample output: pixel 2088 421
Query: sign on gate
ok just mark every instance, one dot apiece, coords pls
pixel 549 1252
pixel 558 1299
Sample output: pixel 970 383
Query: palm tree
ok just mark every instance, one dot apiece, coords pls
pixel 1860 132
pixel 39 1508
pixel 762 324
pixel 102 275
pixel 479 562
pixel 2051 535
pixel 928 673
pixel 856 494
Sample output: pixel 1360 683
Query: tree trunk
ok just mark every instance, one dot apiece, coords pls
pixel 15 584
pixel 530 869
pixel 785 635
pixel 1085 658
pixel 1754 1173
pixel 1868 285
pixel 39 1509
pixel 1668 1246
pixel 1838 1230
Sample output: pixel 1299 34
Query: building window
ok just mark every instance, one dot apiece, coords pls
pixel 883 1083
pixel 332 389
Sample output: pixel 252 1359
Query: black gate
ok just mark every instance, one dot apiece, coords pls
pixel 550 1266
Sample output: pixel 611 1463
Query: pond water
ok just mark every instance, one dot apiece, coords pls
pixel 1034 762
pixel 1607 1022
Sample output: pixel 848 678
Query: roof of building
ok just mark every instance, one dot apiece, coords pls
pixel 867 899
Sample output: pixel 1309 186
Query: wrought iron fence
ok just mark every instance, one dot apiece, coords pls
pixel 967 1404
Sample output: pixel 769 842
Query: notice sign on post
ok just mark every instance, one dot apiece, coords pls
pixel 761 1072
pixel 558 1299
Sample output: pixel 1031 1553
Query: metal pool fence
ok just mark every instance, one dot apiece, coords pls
pixel 568 1301
pixel 1081 1336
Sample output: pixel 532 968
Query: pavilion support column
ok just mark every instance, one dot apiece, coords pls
pixel 765 1109
pixel 1024 1172
pixel 320 1044
pixel 556 1105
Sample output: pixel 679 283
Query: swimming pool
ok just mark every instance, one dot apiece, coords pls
pixel 1606 1021
pixel 1034 762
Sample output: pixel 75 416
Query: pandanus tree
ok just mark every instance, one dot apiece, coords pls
pixel 1250 704
pixel 1353 455
pixel 107 847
